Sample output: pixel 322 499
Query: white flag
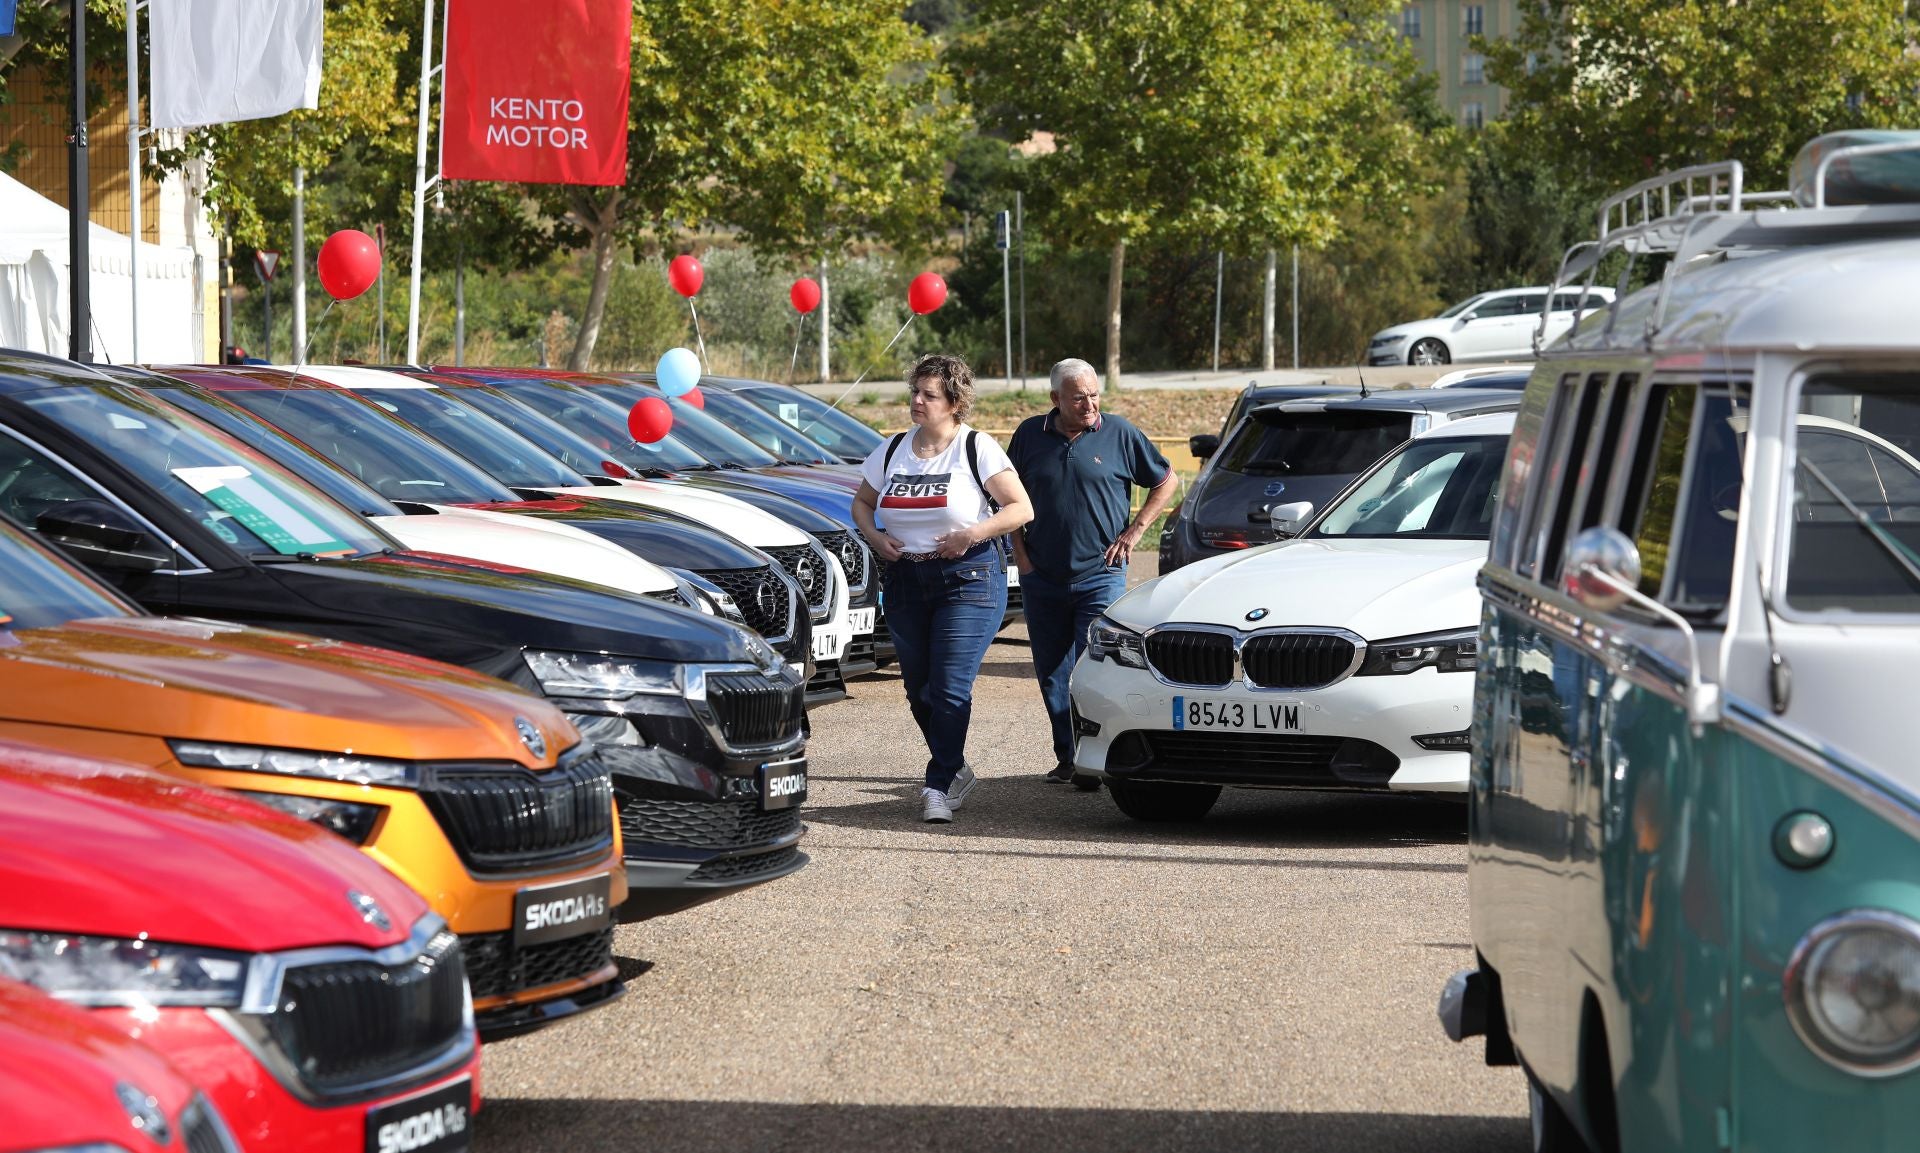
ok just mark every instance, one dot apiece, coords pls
pixel 216 61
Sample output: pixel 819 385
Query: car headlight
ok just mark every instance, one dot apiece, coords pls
pixel 694 598
pixel 298 763
pixel 1388 341
pixel 1450 652
pixel 601 677
pixel 1853 992
pixel 97 971
pixel 352 821
pixel 1109 641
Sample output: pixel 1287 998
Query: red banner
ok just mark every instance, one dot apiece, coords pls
pixel 537 92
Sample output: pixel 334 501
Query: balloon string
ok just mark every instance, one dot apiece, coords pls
pixel 799 326
pixel 864 371
pixel 300 354
pixel 705 369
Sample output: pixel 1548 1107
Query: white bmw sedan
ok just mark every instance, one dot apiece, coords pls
pixel 1339 659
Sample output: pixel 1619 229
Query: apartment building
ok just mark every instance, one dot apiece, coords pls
pixel 1439 32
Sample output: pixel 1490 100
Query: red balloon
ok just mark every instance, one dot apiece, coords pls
pixel 692 396
pixel 349 264
pixel 686 275
pixel 649 419
pixel 805 294
pixel 927 292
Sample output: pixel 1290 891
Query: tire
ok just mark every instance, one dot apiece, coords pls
pixel 1162 801
pixel 1086 782
pixel 1549 1128
pixel 1428 350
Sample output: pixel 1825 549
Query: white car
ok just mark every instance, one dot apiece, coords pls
pixel 1490 326
pixel 1339 659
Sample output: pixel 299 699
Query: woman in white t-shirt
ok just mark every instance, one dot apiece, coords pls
pixel 936 490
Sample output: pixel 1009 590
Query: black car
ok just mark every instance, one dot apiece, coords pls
pixel 1302 451
pixel 700 721
pixel 840 434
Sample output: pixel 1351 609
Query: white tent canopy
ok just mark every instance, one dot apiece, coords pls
pixel 33 286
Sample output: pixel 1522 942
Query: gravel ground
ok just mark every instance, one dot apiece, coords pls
pixel 1042 974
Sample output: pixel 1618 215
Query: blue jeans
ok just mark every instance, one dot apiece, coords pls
pixel 1058 617
pixel 943 615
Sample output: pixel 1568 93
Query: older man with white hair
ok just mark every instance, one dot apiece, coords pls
pixel 1079 467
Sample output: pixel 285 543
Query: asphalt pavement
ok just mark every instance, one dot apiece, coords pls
pixel 1043 974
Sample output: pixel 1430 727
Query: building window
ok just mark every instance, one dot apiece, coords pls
pixel 1473 69
pixel 1473 115
pixel 1533 63
pixel 1855 102
pixel 1475 17
pixel 1410 22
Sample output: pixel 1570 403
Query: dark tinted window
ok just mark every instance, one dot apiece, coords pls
pixel 296 458
pixel 702 433
pixel 766 430
pixel 1500 306
pixel 603 424
pixel 1313 443
pixel 1651 494
pixel 1856 497
pixel 818 420
pixel 1572 465
pixel 37 588
pixel 1702 556
pixel 498 450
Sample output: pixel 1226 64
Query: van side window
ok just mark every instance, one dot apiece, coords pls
pixel 1683 502
pixel 1543 469
pixel 1553 554
pixel 1606 451
pixel 1854 462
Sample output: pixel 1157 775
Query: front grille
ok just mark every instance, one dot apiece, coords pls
pixel 745 868
pixel 807 569
pixel 761 596
pixel 1260 759
pixel 199 1132
pixel 1191 657
pixel 350 1022
pixel 495 968
pixel 752 710
pixel 1296 660
pixel 1191 749
pixel 858 651
pixel 504 817
pixel 852 554
pixel 719 825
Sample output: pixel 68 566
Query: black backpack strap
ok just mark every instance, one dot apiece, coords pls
pixel 973 464
pixel 893 446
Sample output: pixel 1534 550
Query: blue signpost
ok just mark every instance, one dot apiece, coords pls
pixel 6 17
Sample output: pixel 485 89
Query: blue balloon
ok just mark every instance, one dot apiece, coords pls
pixel 678 372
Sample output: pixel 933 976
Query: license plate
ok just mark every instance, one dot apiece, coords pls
pixel 783 784
pixel 823 646
pixel 556 912
pixel 861 621
pixel 431 1122
pixel 1013 576
pixel 1236 716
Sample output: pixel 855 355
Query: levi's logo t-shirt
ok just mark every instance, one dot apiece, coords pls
pixel 923 500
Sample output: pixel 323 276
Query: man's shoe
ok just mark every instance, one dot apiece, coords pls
pixel 935 810
pixel 1060 774
pixel 961 786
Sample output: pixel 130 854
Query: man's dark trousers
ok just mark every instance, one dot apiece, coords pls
pixel 1058 617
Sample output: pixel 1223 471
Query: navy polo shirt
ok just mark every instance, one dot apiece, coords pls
pixel 1080 489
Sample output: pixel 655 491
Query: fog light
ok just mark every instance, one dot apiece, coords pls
pixel 1445 742
pixel 1853 992
pixel 354 822
pixel 1082 727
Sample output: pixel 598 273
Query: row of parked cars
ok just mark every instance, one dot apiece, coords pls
pixel 345 712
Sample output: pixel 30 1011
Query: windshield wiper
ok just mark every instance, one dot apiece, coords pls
pixel 1889 544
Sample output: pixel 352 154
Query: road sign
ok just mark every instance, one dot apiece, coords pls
pixel 265 260
pixel 1001 227
pixel 6 17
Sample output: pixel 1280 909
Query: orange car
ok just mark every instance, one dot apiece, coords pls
pixel 480 796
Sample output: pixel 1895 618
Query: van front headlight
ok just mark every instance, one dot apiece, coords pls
pixel 1853 992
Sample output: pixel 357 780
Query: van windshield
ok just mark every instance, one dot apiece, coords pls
pixel 1442 488
pixel 1329 443
pixel 1856 496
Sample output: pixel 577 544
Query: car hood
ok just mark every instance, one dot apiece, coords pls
pixel 734 517
pixel 208 680
pixel 1376 588
pixel 1227 500
pixel 113 850
pixel 1414 328
pixel 662 537
pixel 548 547
pixel 809 505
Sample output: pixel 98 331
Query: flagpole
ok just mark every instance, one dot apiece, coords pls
pixel 133 164
pixel 420 183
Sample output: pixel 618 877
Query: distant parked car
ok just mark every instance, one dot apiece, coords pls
pixel 1502 377
pixel 826 425
pixel 1491 326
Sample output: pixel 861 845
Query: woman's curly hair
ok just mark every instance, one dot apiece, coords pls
pixel 955 378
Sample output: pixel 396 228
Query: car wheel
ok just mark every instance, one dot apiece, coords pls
pixel 1161 800
pixel 1428 351
pixel 1549 1127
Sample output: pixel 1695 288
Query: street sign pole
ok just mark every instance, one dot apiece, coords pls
pixel 1020 238
pixel 1002 226
pixel 1219 281
pixel 265 261
pixel 380 339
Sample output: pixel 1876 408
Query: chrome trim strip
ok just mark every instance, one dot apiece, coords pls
pixel 1239 638
pixel 266 971
pixel 1868 787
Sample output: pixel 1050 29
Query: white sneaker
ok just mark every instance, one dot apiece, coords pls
pixel 961 786
pixel 935 811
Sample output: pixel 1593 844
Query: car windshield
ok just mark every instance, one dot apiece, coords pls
pixel 372 445
pixel 241 496
pixel 1457 309
pixel 564 445
pixel 1327 443
pixel 1440 489
pixel 603 424
pixel 289 454
pixel 705 435
pixel 825 424
pixel 768 431
pixel 40 589
pixel 499 450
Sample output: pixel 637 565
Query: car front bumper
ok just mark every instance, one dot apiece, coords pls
pixel 1356 734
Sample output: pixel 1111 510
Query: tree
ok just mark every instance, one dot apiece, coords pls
pixel 1614 91
pixel 1235 124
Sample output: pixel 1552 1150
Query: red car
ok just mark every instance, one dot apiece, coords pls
pixel 316 999
pixel 69 1081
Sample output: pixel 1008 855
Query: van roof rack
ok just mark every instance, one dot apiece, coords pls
pixel 1704 210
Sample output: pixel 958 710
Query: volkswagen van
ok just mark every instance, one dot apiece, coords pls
pixel 1693 799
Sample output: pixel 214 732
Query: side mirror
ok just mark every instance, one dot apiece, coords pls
pixel 99 534
pixel 1603 567
pixel 1203 445
pixel 1286 519
pixel 1469 317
